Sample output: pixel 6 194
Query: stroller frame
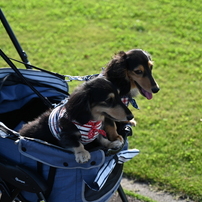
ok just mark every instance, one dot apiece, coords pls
pixel 15 177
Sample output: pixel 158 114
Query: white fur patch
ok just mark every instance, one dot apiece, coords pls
pixel 82 156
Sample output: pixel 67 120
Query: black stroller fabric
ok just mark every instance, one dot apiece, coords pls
pixel 95 180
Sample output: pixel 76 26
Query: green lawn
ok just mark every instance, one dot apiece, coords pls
pixel 80 37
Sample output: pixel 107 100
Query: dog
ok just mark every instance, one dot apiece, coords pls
pixel 132 70
pixel 79 121
pixel 131 73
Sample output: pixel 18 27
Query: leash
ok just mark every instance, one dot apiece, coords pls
pixel 81 78
pixel 128 98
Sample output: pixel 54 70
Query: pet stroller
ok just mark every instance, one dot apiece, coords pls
pixel 34 170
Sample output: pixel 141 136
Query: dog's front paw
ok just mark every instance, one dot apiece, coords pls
pixel 133 122
pixel 82 156
pixel 117 143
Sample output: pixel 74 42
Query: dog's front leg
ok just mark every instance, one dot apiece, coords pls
pixel 81 155
pixel 133 122
pixel 116 140
pixel 70 139
pixel 109 144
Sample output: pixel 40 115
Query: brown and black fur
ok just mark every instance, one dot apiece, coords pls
pixel 132 70
pixel 94 100
pixel 131 73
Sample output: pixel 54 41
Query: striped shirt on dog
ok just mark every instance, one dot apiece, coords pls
pixel 89 131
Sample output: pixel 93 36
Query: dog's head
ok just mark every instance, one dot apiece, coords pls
pixel 95 100
pixel 130 70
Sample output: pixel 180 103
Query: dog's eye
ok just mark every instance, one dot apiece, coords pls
pixel 138 71
pixel 109 100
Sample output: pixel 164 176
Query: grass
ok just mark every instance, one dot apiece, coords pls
pixel 80 37
pixel 138 196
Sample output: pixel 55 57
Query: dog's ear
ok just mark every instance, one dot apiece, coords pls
pixel 117 66
pixel 122 54
pixel 78 107
pixel 116 72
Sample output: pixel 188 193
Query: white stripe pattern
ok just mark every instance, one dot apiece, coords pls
pixel 107 168
pixel 53 121
pixel 88 131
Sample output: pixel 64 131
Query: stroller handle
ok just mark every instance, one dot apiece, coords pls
pixel 13 38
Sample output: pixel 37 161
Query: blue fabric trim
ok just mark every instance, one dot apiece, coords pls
pixel 58 156
pixel 15 96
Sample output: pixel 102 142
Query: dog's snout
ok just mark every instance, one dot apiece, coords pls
pixel 129 117
pixel 155 89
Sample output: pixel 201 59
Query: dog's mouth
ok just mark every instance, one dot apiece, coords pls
pixel 144 92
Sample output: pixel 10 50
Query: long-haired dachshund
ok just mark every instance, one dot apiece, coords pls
pixel 131 73
pixel 80 120
pixel 132 70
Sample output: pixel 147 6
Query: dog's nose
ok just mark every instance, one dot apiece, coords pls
pixel 155 90
pixel 129 117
